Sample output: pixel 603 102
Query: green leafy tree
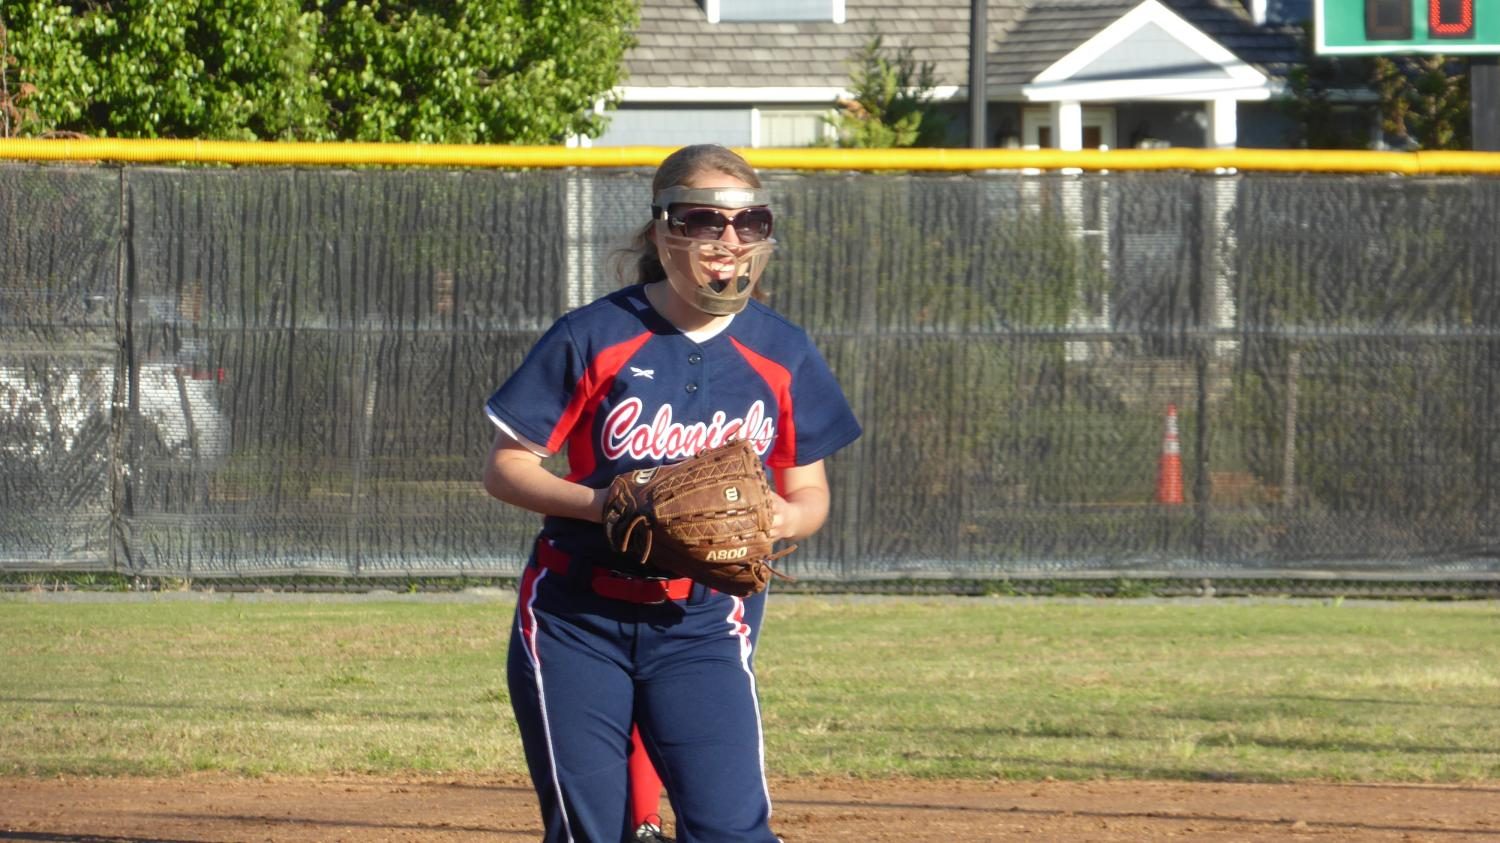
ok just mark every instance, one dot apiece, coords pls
pixel 892 104
pixel 200 68
pixel 11 115
pixel 473 70
pixel 47 76
pixel 462 71
pixel 1424 100
pixel 172 68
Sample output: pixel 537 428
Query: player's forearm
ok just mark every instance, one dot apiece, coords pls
pixel 807 509
pixel 532 487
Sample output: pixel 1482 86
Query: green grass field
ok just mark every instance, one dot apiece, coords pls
pixel 940 687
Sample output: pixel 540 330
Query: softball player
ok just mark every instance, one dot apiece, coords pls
pixel 645 783
pixel 646 375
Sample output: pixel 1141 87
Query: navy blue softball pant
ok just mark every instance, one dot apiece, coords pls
pixel 583 667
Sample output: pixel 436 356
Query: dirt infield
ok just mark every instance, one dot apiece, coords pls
pixel 200 809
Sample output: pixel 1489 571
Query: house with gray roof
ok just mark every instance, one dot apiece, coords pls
pixel 1068 74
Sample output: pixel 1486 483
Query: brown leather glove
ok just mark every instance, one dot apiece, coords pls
pixel 707 518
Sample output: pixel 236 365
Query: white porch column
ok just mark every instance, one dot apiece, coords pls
pixel 1067 122
pixel 1223 123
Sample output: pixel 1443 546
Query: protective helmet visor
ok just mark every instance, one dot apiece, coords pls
pixel 715 275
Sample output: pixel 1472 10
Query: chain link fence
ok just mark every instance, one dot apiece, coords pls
pixel 249 372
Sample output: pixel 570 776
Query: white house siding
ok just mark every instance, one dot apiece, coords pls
pixel 792 127
pixel 677 127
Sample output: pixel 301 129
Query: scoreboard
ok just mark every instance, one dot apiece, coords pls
pixel 1387 27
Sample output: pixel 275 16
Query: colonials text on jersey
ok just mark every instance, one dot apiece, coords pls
pixel 624 434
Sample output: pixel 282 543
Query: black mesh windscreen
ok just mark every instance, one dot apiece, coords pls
pixel 219 371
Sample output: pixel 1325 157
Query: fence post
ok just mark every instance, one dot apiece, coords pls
pixel 122 391
pixel 1199 343
pixel 1289 429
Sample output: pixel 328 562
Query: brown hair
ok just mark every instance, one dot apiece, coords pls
pixel 677 169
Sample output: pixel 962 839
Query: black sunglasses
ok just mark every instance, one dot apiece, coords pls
pixel 751 224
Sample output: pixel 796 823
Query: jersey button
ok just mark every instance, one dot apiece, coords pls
pixel 695 358
pixel 692 387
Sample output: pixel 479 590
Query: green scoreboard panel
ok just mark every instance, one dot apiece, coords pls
pixel 1386 27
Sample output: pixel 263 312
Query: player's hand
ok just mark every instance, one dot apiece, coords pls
pixel 783 518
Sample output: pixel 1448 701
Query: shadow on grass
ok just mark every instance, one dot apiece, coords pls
pixel 1367 701
pixel 302 712
pixel 1335 745
pixel 1015 767
pixel 1211 738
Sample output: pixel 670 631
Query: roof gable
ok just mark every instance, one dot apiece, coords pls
pixel 1148 51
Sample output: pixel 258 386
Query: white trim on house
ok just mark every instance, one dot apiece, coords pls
pixel 636 94
pixel 1232 81
pixel 1054 83
pixel 1149 12
pixel 1147 89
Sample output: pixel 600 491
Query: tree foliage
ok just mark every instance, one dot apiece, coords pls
pixel 458 71
pixel 47 40
pixel 1424 100
pixel 892 101
pixel 1313 88
pixel 10 102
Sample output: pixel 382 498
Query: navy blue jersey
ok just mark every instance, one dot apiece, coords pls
pixel 620 388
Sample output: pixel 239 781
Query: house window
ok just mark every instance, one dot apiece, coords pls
pixel 1093 137
pixel 665 126
pixel 752 11
pixel 1037 131
pixel 791 127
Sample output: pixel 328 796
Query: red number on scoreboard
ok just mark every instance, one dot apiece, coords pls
pixel 1450 18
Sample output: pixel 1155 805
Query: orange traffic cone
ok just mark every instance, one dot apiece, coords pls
pixel 1169 467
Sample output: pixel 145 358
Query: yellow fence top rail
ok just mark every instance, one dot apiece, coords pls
pixel 99 150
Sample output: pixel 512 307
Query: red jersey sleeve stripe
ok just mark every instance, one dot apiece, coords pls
pixel 591 388
pixel 582 453
pixel 784 451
